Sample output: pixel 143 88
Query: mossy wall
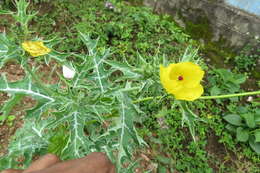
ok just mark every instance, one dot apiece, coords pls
pixel 222 30
pixel 212 20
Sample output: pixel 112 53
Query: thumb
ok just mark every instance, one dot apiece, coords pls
pixel 12 171
pixel 44 162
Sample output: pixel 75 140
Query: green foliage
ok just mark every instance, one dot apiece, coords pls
pixel 223 81
pixel 95 111
pixel 247 58
pixel 246 125
pixel 92 98
pixel 127 30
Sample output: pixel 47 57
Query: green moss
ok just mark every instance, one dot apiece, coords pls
pixel 136 2
pixel 198 26
pixel 256 74
pixel 218 53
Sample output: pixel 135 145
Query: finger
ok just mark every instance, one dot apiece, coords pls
pixel 113 169
pixel 93 163
pixel 12 171
pixel 44 162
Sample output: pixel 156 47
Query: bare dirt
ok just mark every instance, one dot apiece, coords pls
pixel 14 73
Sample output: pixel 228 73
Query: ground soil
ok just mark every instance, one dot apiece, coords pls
pixel 13 72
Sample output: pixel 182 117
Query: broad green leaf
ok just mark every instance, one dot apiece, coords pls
pixel 242 134
pixel 257 136
pixel 250 121
pixel 215 91
pixel 257 116
pixel 240 78
pixel 233 119
pixel 254 145
pixel 231 128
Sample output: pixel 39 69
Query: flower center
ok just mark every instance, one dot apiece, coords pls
pixel 180 78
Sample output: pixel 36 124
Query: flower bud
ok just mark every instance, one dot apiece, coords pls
pixel 68 72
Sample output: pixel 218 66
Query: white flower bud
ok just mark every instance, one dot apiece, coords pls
pixel 68 72
pixel 250 99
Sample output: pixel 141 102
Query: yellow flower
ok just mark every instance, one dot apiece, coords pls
pixel 182 80
pixel 35 48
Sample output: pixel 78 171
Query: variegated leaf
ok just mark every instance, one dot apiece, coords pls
pixel 25 87
pixel 8 50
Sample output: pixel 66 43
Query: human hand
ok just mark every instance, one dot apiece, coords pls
pixel 93 163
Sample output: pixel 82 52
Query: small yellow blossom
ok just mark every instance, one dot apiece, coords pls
pixel 182 80
pixel 209 116
pixel 35 48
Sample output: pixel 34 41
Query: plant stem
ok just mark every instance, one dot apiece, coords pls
pixel 205 97
pixel 231 95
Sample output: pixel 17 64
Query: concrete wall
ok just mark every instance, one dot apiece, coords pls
pixel 226 20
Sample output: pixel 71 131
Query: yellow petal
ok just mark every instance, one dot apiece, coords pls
pixel 35 48
pixel 169 84
pixel 189 94
pixel 191 73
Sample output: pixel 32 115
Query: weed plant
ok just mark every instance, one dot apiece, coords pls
pixel 116 55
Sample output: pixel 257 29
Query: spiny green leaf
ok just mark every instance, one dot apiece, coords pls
pixel 77 144
pixel 27 140
pixel 8 50
pixel 188 117
pixel 90 43
pixel 37 111
pixel 128 133
pixel 25 87
pixel 21 15
pixel 125 68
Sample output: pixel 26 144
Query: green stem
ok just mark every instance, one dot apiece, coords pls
pixel 231 95
pixel 205 97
